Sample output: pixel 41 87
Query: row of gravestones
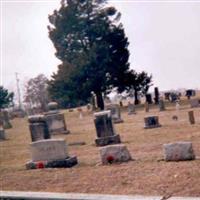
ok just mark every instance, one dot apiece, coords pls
pixel 47 152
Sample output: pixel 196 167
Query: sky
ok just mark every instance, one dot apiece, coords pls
pixel 164 40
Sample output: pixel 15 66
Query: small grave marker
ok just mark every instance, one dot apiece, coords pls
pixel 151 122
pixel 191 117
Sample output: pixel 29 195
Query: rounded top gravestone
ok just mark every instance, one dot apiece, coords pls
pixel 52 106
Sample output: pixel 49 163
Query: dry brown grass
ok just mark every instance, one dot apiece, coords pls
pixel 148 174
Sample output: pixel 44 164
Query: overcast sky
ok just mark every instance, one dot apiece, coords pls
pixel 164 40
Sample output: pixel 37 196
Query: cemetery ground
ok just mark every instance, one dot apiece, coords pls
pixel 148 174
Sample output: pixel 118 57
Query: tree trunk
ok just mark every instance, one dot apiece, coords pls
pixel 136 97
pixel 100 102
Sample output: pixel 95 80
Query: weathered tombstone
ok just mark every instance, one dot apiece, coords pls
pixel 6 121
pixel 190 93
pixel 51 153
pixel 115 112
pixel 131 108
pixel 114 154
pixel 2 134
pixel 55 120
pixel 173 97
pixel 194 103
pixel 89 107
pixel 156 93
pixel 104 128
pixel 177 105
pixel 161 105
pixel 38 127
pixel 191 117
pixel 80 111
pixel 178 151
pixel 19 113
pixel 151 122
pixel 146 107
pixel 167 95
pixel 93 101
pixel 149 99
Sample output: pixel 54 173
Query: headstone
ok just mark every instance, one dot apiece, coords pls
pixel 173 97
pixel 194 103
pixel 89 106
pixel 191 117
pixel 151 122
pixel 149 99
pixel 2 134
pixel 177 105
pixel 190 93
pixel 80 111
pixel 93 101
pixel 114 154
pixel 6 121
pixel 161 105
pixel 38 128
pixel 178 151
pixel 104 128
pixel 51 149
pixel 115 112
pixel 131 108
pixel 51 153
pixel 167 95
pixel 18 113
pixel 146 107
pixel 52 106
pixel 156 93
pixel 55 120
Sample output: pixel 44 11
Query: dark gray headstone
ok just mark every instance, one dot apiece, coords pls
pixel 104 128
pixel 38 128
pixel 151 122
pixel 2 134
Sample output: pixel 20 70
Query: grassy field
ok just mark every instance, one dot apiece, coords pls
pixel 148 174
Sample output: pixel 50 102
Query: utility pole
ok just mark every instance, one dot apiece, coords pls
pixel 18 91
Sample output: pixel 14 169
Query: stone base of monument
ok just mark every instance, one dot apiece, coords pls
pixel 59 131
pixel 179 151
pixel 114 154
pixel 62 163
pixel 103 141
pixel 116 121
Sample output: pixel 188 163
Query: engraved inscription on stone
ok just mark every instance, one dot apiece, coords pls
pixel 51 149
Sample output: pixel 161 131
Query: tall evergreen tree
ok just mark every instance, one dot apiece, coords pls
pixel 6 98
pixel 88 37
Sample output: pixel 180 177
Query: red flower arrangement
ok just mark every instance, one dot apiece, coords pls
pixel 110 159
pixel 40 165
